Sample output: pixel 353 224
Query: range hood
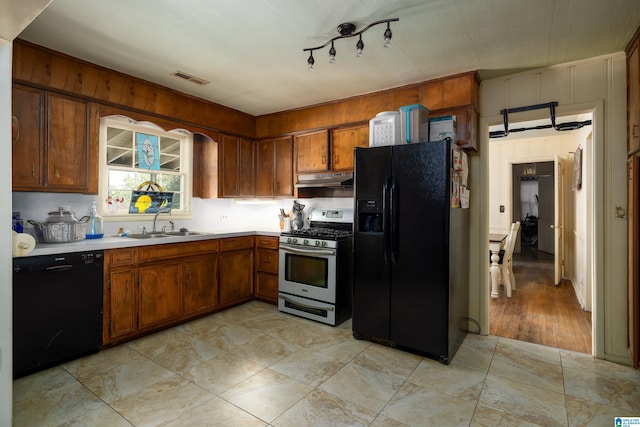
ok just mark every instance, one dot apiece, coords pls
pixel 326 180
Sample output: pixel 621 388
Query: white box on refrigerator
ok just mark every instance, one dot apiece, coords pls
pixel 384 129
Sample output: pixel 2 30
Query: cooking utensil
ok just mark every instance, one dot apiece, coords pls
pixel 60 227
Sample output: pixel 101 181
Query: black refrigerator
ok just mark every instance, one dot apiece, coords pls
pixel 411 245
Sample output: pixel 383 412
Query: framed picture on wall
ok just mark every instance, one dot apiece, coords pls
pixel 577 169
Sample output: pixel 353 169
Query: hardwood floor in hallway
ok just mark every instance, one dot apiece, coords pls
pixel 538 311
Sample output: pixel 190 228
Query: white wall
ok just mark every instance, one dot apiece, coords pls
pixel 210 215
pixel 504 153
pixel 597 84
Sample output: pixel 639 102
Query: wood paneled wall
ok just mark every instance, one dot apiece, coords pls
pixel 41 67
pixel 451 92
pixel 37 66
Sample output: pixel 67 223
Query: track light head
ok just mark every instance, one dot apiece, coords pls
pixel 387 36
pixel 359 47
pixel 332 54
pixel 310 62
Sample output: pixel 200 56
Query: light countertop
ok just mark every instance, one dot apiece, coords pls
pixel 114 242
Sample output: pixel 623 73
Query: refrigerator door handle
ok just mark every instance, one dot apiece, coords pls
pixel 393 219
pixel 385 217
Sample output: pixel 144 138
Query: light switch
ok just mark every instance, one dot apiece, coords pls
pixel 501 208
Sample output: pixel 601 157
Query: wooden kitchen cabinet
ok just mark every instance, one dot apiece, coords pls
pixel 236 167
pixel 274 167
pixel 633 95
pixel 122 299
pixel 205 166
pixel 326 150
pixel 267 269
pixel 156 286
pixel 159 294
pixel 467 125
pixel 28 148
pixel 343 143
pixel 57 144
pixel 236 270
pixel 312 152
pixel 200 283
pixel 120 295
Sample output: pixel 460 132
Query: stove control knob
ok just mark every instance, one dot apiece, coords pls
pixel 324 243
pixel 294 240
pixel 318 242
pixel 305 242
pixel 288 239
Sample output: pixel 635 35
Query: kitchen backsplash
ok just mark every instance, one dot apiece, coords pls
pixel 211 215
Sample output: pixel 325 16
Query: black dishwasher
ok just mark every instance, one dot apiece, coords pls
pixel 57 309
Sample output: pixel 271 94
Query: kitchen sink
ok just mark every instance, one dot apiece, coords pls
pixel 146 235
pixel 159 234
pixel 183 233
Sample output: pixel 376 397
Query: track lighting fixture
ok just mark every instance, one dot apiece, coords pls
pixel 347 30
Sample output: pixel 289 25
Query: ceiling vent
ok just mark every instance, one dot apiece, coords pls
pixel 191 78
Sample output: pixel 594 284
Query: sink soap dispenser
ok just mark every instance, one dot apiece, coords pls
pixel 95 228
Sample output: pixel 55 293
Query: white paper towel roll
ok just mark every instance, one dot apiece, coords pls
pixel 23 244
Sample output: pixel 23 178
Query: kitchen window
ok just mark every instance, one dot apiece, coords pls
pixel 142 156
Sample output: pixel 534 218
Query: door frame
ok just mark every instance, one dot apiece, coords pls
pixel 595 215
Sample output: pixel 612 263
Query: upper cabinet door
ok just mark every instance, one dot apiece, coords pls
pixel 236 167
pixel 229 158
pixel 312 152
pixel 283 169
pixel 343 143
pixel 67 143
pixel 265 167
pixel 245 168
pixel 28 136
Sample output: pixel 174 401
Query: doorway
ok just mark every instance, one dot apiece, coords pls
pixel 546 294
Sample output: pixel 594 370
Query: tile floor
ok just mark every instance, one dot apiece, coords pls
pixel 254 366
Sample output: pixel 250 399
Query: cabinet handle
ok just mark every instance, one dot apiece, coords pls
pixel 56 175
pixel 336 159
pixel 635 129
pixel 33 170
pixel 324 160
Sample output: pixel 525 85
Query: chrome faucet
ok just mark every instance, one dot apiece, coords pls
pixel 155 218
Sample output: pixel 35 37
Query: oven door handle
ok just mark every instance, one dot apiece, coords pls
pixel 298 250
pixel 313 307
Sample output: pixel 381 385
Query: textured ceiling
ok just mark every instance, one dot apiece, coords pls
pixel 251 50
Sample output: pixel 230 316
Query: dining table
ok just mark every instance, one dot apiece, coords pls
pixel 496 242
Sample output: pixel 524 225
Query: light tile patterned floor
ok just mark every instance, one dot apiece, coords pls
pixel 254 366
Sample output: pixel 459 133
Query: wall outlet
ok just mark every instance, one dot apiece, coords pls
pixel 224 217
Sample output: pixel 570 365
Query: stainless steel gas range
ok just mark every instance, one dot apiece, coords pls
pixel 316 265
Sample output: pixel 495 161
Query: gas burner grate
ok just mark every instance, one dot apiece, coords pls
pixel 321 233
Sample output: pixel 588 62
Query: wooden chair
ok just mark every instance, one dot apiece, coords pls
pixel 505 263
